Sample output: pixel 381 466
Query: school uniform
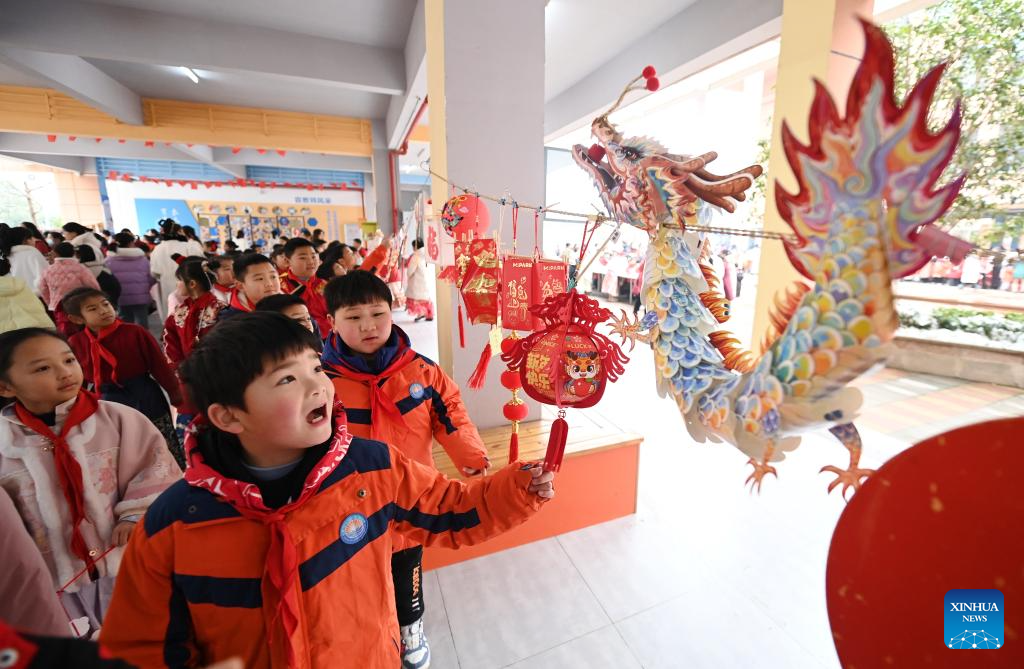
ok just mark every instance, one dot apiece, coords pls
pixel 310 588
pixel 124 364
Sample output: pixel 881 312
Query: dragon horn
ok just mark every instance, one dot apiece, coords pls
pixel 650 83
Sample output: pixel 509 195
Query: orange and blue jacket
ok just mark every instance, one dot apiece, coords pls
pixel 190 590
pixel 428 400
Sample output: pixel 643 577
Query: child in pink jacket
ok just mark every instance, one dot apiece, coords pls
pixel 81 471
pixel 59 279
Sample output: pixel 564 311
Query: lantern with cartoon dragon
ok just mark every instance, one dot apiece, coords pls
pixel 862 218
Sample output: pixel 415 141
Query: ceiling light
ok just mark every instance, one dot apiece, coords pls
pixel 190 73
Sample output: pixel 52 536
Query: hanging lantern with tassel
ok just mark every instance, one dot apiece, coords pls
pixel 515 409
pixel 568 363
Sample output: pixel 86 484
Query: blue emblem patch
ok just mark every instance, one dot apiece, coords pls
pixel 416 391
pixel 353 528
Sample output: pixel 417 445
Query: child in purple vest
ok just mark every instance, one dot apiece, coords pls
pixel 130 266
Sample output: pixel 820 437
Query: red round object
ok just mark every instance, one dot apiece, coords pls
pixel 507 344
pixel 942 515
pixel 565 369
pixel 653 84
pixel 510 380
pixel 596 152
pixel 581 388
pixel 464 215
pixel 649 72
pixel 515 410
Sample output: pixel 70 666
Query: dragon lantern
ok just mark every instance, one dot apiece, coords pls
pixel 862 218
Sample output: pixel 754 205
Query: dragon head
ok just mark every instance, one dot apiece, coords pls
pixel 610 186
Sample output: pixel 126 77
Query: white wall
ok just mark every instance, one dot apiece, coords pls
pixel 123 194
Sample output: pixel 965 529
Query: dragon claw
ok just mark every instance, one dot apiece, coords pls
pixel 629 329
pixel 850 478
pixel 761 469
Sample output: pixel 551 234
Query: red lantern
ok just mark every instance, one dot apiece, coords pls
pixel 566 364
pixel 563 367
pixel 510 380
pixel 516 410
pixel 465 216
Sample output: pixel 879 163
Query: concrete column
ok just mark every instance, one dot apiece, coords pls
pixel 378 203
pixel 820 39
pixel 485 73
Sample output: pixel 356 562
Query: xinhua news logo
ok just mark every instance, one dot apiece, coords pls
pixel 973 619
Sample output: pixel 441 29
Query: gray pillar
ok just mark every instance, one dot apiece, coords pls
pixel 493 125
pixel 378 204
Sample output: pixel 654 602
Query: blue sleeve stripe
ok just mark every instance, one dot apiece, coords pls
pixel 229 592
pixel 335 555
pixel 438 523
pixel 441 411
pixel 178 635
pixel 407 404
pixel 358 416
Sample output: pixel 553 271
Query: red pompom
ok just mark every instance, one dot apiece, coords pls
pixel 510 380
pixel 596 152
pixel 514 410
pixel 507 344
pixel 649 72
pixel 653 84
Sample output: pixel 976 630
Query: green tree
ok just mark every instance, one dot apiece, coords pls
pixel 982 42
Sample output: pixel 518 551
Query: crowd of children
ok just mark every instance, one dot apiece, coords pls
pixel 311 420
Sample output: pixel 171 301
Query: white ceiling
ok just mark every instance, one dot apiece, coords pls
pixel 582 35
pixel 12 77
pixel 247 89
pixel 373 22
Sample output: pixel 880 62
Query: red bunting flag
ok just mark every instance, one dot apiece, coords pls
pixel 120 141
pixel 72 138
pixel 235 150
pixel 281 152
pixel 111 174
pixel 261 151
pixel 51 138
pixel 99 139
pixel 150 143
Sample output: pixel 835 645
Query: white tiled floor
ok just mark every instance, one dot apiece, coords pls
pixel 703 575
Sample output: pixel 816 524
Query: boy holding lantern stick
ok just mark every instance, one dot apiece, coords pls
pixel 393 394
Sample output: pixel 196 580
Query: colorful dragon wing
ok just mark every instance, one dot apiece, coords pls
pixel 867 186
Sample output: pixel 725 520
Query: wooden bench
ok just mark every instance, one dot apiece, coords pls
pixel 598 480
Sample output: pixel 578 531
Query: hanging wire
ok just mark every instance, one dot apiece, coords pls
pixel 602 219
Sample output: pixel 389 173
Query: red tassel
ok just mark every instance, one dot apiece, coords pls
pixel 462 330
pixel 513 445
pixel 556 444
pixel 479 375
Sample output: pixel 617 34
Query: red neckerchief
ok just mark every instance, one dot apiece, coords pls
pixel 379 402
pixel 100 354
pixel 310 284
pixel 69 471
pixel 281 569
pixel 236 301
pixel 190 331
